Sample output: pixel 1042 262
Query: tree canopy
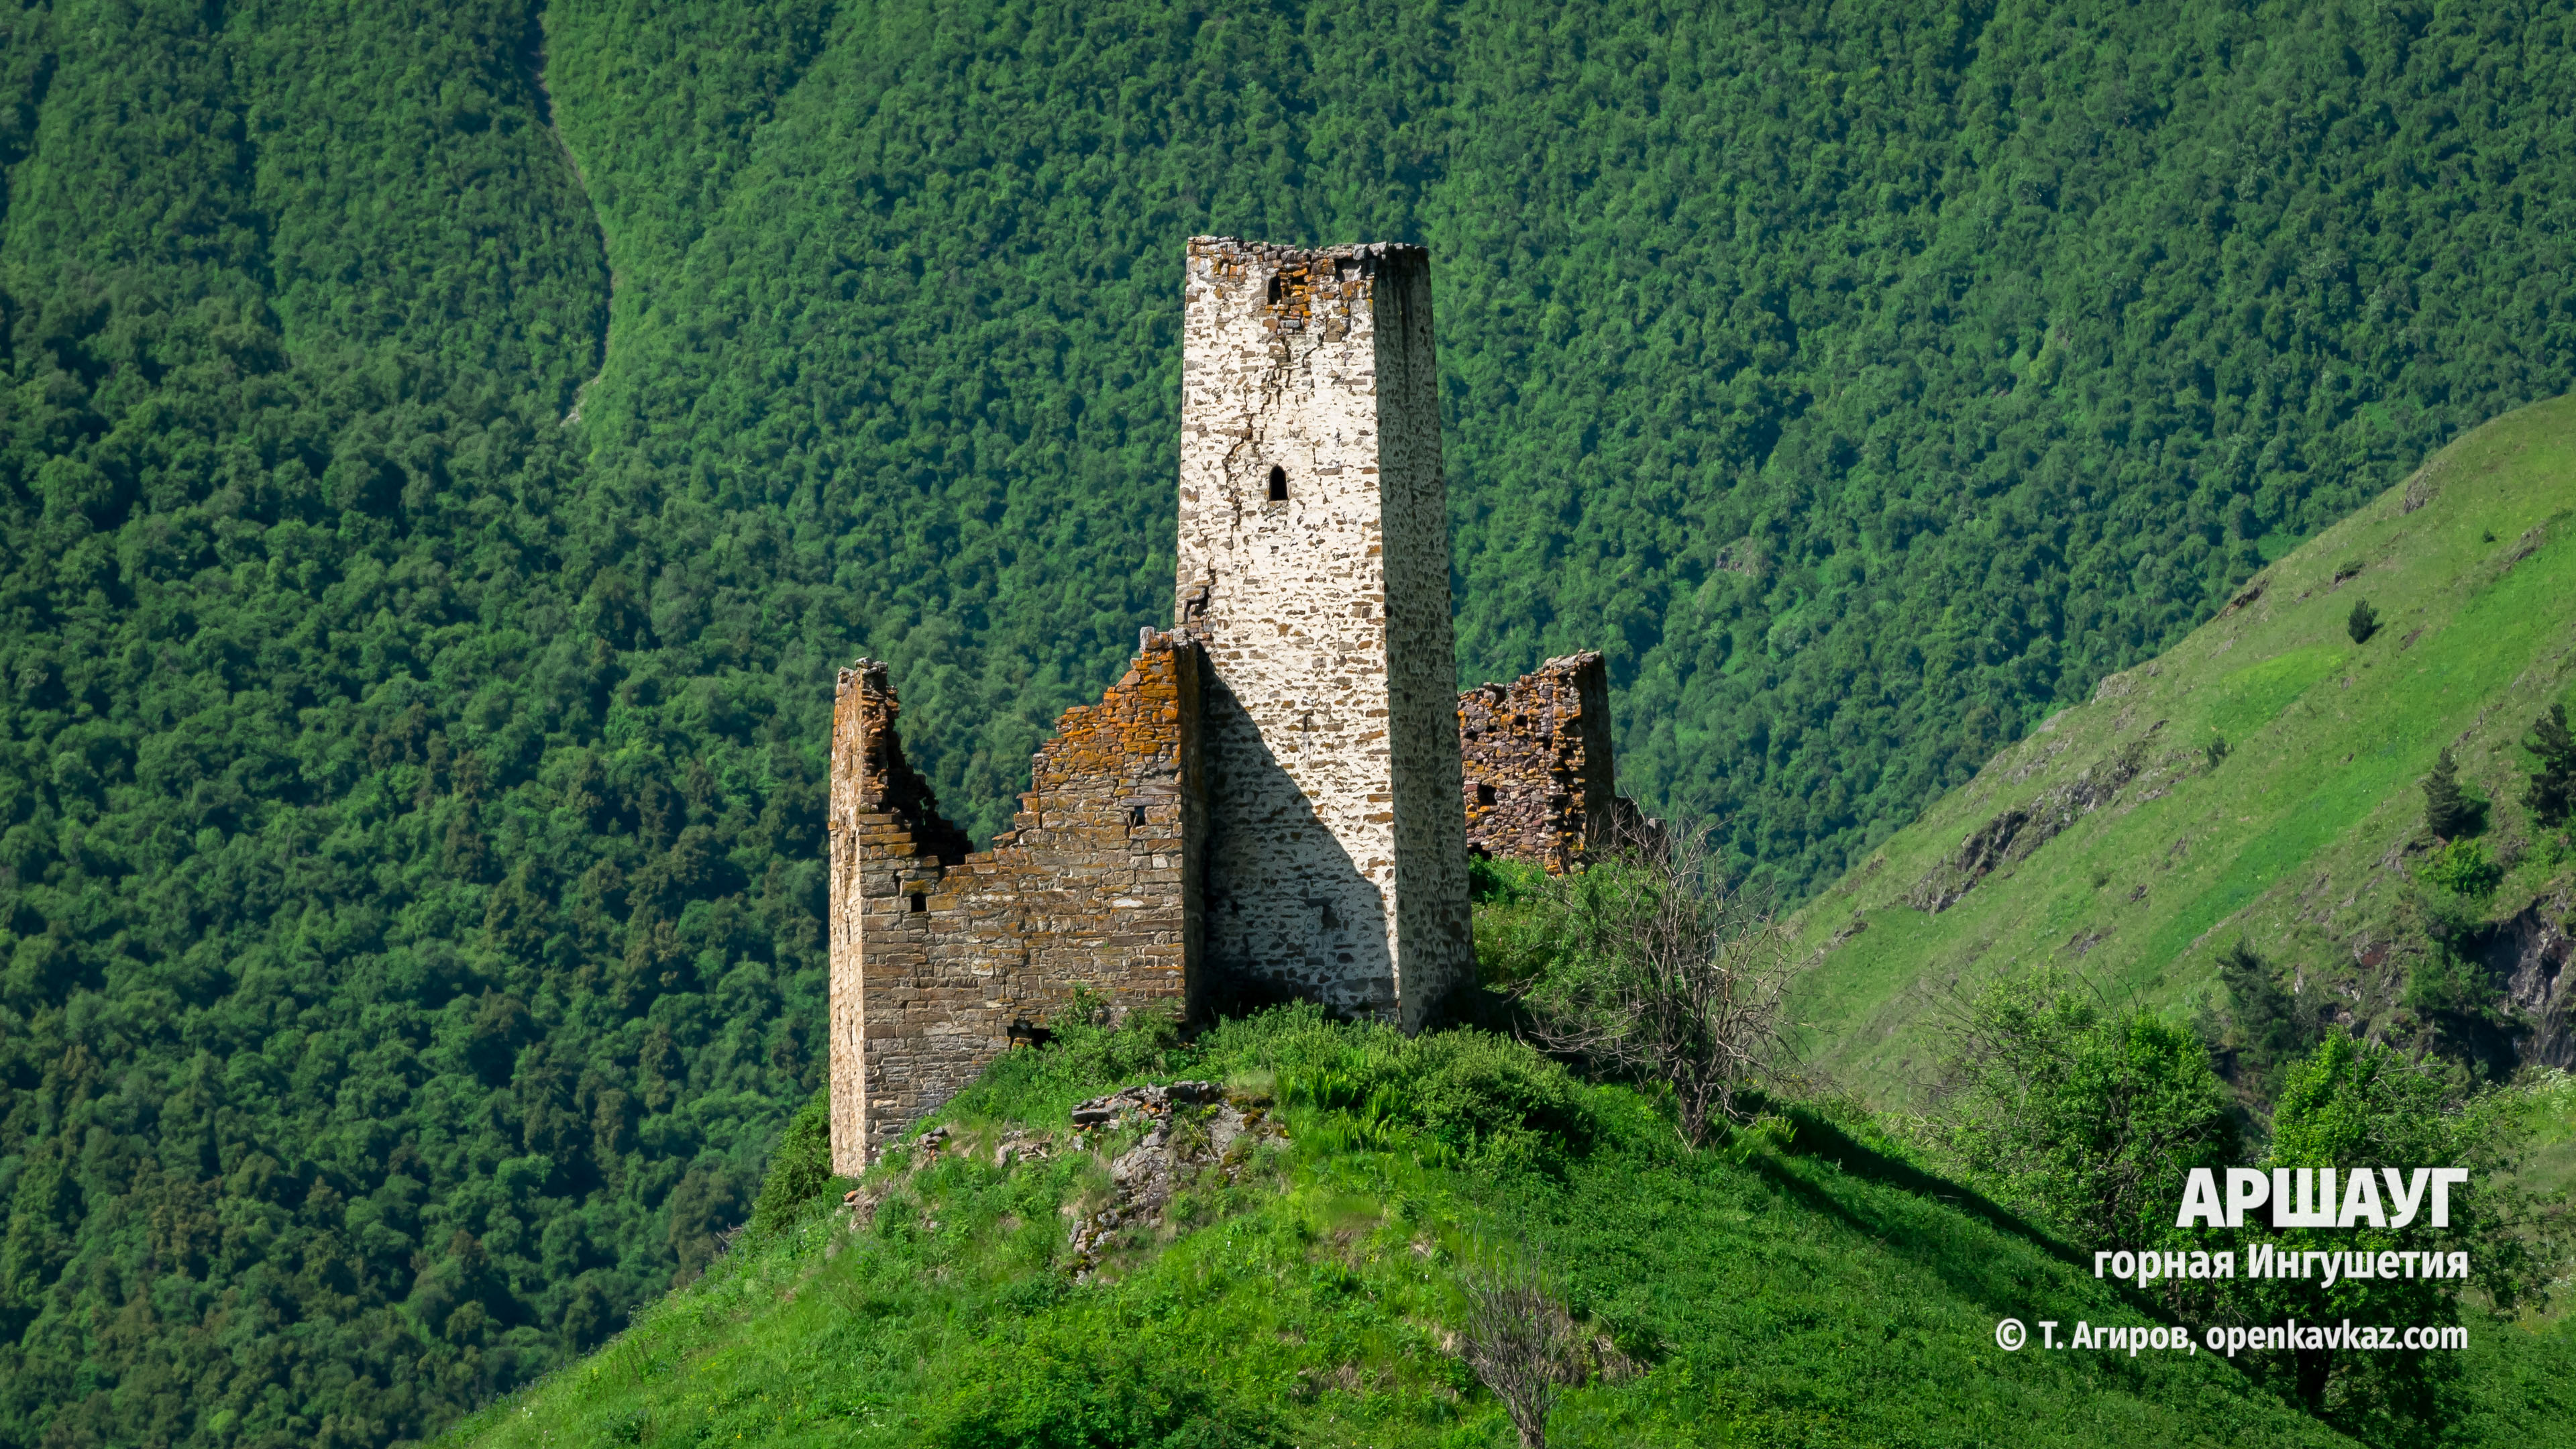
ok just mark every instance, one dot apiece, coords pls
pixel 447 449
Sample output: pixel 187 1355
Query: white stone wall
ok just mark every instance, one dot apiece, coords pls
pixel 1422 653
pixel 1336 865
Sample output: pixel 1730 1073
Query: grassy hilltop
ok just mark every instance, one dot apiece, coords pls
pixel 2304 837
pixel 1803 1286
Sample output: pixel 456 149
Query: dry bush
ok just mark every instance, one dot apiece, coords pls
pixel 1519 1340
pixel 1666 974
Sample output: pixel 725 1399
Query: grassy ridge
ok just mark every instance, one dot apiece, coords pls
pixel 2300 840
pixel 1802 1287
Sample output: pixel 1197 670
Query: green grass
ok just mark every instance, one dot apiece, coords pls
pixel 1804 1286
pixel 2302 840
pixel 2551 1163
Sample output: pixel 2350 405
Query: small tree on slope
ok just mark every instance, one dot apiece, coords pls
pixel 2552 791
pixel 2447 812
pixel 1519 1340
pixel 2271 1031
pixel 1665 975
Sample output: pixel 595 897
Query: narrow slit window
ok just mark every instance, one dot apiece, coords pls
pixel 920 902
pixel 1278 484
pixel 1136 817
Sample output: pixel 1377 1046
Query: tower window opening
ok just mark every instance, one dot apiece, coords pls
pixel 919 901
pixel 1484 794
pixel 1278 484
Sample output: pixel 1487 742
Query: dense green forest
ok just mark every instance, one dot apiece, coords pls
pixel 447 448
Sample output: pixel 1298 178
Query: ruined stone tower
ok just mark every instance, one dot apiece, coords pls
pixel 1272 802
pixel 1314 571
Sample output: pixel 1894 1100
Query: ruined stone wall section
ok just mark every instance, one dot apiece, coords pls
pixel 1538 783
pixel 1283 352
pixel 942 958
pixel 1095 881
pixel 881 820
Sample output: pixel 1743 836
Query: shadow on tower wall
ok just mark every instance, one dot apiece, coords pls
pixel 1288 915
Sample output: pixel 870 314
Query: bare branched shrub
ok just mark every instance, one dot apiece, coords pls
pixel 1666 973
pixel 1519 1340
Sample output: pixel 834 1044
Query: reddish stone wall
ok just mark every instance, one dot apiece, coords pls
pixel 940 957
pixel 1538 782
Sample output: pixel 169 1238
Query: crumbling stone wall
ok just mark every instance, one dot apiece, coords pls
pixel 1538 781
pixel 1313 567
pixel 942 956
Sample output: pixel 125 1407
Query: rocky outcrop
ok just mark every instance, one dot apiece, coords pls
pixel 2528 955
pixel 1193 1130
pixel 2010 837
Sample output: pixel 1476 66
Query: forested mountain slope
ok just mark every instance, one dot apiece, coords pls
pixel 2256 796
pixel 408 797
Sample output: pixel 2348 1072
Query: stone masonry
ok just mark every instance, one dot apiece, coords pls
pixel 1538 784
pixel 1314 570
pixel 1267 804
pixel 941 957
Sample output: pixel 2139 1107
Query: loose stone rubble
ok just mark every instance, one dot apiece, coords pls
pixel 1195 1133
pixel 1193 1129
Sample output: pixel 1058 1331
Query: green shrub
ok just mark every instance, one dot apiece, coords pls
pixel 1454 1095
pixel 1519 930
pixel 800 1167
pixel 2090 1121
pixel 2464 867
pixel 2362 622
pixel 1084 1056
pixel 2352 1103
pixel 1502 882
pixel 2444 983
pixel 1048 1394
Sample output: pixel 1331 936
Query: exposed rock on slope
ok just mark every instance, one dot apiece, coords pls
pixel 2010 837
pixel 2529 954
pixel 1193 1129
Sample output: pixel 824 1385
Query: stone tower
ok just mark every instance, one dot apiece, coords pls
pixel 1314 571
pixel 1273 801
